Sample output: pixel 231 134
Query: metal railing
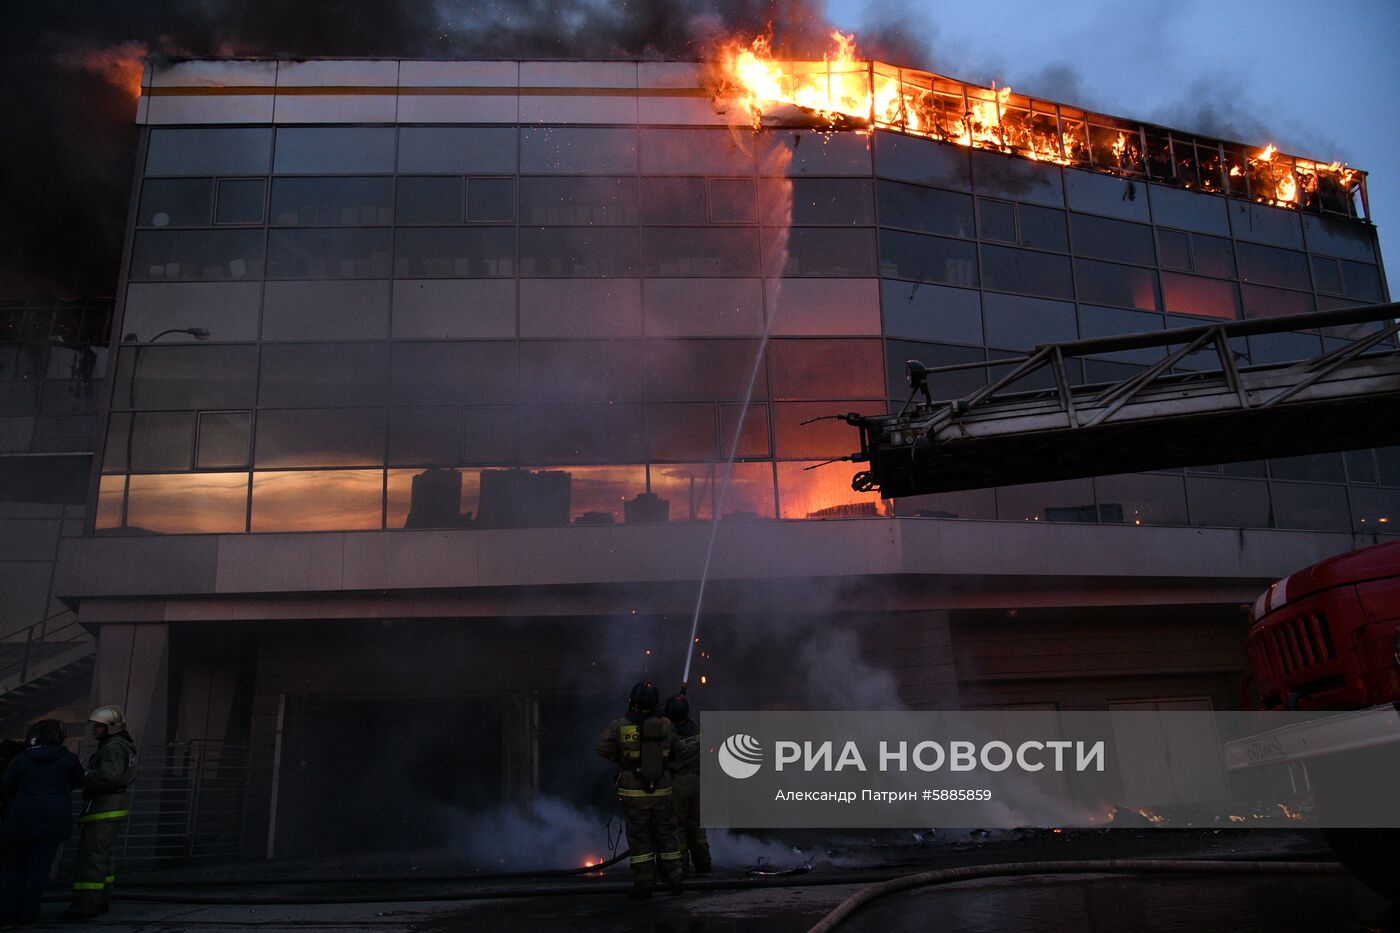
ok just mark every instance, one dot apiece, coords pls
pixel 30 652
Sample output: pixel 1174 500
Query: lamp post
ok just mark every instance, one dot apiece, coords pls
pixel 198 333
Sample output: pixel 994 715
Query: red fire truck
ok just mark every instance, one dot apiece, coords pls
pixel 1328 638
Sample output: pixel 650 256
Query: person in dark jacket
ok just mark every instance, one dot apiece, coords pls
pixel 106 802
pixel 37 794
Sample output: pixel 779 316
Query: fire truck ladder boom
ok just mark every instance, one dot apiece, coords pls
pixel 1159 418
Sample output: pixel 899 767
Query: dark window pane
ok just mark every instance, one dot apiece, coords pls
pixel 674 201
pixel 1173 249
pixel 1017 323
pixel 551 434
pixel 1141 499
pixel 1283 348
pixel 225 151
pixel 928 259
pixel 326 310
pixel 701 370
pixel 1344 238
pixel 1264 224
pixel 1375 511
pixel 681 431
pixel 328 254
pixel 489 435
pixel 1227 503
pixel 321 374
pixel 1310 506
pixel 693 152
pixel 1065 501
pixel 328 437
pixel 1017 179
pixel 818 251
pixel 185 377
pixel 922 161
pixel 1362 282
pixel 338 149
pixel 192 255
pixel 1274 302
pixel 331 202
pixel 1361 466
pixel 429 200
pixel 732 201
pixel 1015 270
pixel 318 500
pixel 970 504
pixel 926 209
pixel 593 370
pixel 838 201
pixel 160 440
pixel 1043 228
pixel 1103 284
pixel 578 251
pixel 490 200
pixel 1388 465
pixel 1111 322
pixel 816 369
pixel 1212 256
pixel 1321 468
pixel 448 253
pixel 998 220
pixel 812 152
pixel 1189 210
pixel 240 201
pixel 553 150
pixel 931 312
pixel 697 251
pixel 223 440
pixel 1106 194
pixel 1326 275
pixel 1265 265
pixel 425 436
pixel 1190 294
pixel 1111 239
pixel 460 150
pixel 578 201
pixel 1249 469
pixel 173 202
pixel 442 373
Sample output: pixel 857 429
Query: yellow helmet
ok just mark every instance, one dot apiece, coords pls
pixel 109 716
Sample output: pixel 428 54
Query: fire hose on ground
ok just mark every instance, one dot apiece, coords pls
pixel 892 882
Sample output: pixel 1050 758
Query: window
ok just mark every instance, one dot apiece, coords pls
pixel 1274 302
pixel 335 149
pixel 699 370
pixel 328 254
pixel 1326 275
pixel 1265 265
pixel 1106 194
pixel 1124 286
pixel 332 202
pixel 698 251
pixel 435 309
pixel 595 433
pixel 1227 503
pixel 1283 348
pixel 426 436
pixel 554 150
pixel 1264 224
pixel 457 149
pixel 819 440
pixel 320 438
pixel 1361 466
pixel 443 373
pixel 490 200
pixel 1190 294
pixel 818 251
pixel 318 500
pixel 1016 270
pixel 1018 323
pixel 224 151
pixel 1361 281
pixel 326 310
pixel 1174 249
pixel 825 201
pixel 1101 238
pixel 1318 468
pixel 191 377
pixel 816 369
pixel 144 442
pixel 1017 179
pixel 922 161
pixel 321 375
pixel 702 307
pixel 1141 499
pixel 732 201
pixel 446 252
pixel 1342 238
pixel 195 255
pixel 674 201
pixel 693 152
pixel 429 199
pixel 1043 228
pixel 684 431
pixel 578 251
pixel 578 201
pixel 228 310
pixel 931 312
pixel 924 209
pixel 222 440
pixel 580 308
pixel 189 503
pixel 812 152
pixel 1189 210
pixel 240 201
pixel 1212 256
pixel 804 493
pixel 998 220
pixel 1065 501
pixel 175 202
pixel 928 258
pixel 1310 506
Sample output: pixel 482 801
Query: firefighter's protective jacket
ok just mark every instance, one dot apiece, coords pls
pixel 687 748
pixel 623 741
pixel 110 771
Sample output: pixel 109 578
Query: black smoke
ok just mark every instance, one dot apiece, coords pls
pixel 67 164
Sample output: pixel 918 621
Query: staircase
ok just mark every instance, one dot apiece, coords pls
pixel 39 667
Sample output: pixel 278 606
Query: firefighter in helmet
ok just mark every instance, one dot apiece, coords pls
pixel 642 745
pixel 685 782
pixel 110 771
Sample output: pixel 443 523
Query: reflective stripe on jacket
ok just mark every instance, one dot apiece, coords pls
pixel 110 771
pixel 621 743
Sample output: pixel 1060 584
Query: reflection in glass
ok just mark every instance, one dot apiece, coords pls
pixel 1018 270
pixel 842 202
pixel 824 439
pixel 1102 283
pixel 185 377
pixel 175 202
pixel 321 438
pixel 681 431
pixel 446 373
pixel 687 489
pixel 111 491
pixel 927 210
pixel 188 503
pixel 1101 238
pixel 240 201
pixel 578 251
pixel 426 436
pixel 1190 294
pixel 1362 281
pixel 223 151
pixel 928 258
pixel 447 252
pixel 309 150
pixel 814 369
pixel 433 498
pixel 1141 499
pixel 457 149
pixel 1064 501
pixel 700 370
pixel 1212 256
pixel 322 375
pixel 749 494
pixel 998 220
pixel 429 200
pixel 825 251
pixel 694 152
pixel 332 202
pixel 1310 506
pixel 579 433
pixel 752 434
pixel 675 201
pixel 578 201
pixel 161 440
pixel 570 150
pixel 317 500
pixel 1375 511
pixel 490 200
pixel 1227 503
pixel 971 503
pixel 583 370
pixel 732 201
pixel 329 254
pixel 1266 265
pixel 1326 277
pixel 1274 302
pixel 700 251
pixel 223 440
pixel 195 255
pixel 824 492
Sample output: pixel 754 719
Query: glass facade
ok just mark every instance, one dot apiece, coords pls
pixel 463 326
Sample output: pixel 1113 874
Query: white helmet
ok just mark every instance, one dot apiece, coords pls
pixel 109 716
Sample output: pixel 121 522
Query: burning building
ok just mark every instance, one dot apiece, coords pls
pixel 442 385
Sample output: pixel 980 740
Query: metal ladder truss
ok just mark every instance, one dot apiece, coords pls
pixel 1160 417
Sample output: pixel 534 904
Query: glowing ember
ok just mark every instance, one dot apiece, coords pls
pixel 590 860
pixel 842 92
pixel 704 679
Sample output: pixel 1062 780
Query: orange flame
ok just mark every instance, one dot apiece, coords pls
pixel 119 65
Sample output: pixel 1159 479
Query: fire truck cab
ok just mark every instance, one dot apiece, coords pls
pixel 1328 638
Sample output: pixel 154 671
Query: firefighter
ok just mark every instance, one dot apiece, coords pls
pixel 643 745
pixel 685 783
pixel 110 771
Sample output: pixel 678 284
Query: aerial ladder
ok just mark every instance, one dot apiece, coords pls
pixel 1200 403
